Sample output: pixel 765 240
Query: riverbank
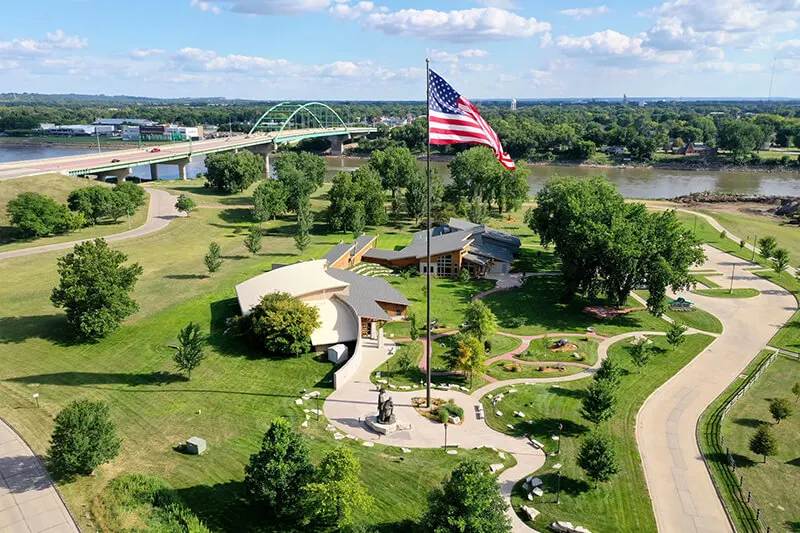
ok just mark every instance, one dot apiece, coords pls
pixel 87 143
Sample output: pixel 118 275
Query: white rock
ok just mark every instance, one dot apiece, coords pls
pixel 502 455
pixel 338 436
pixel 496 467
pixel 509 426
pixel 530 512
pixel 511 391
pixel 499 413
pixel 530 496
pixel 306 397
pixel 316 411
pixel 520 414
pixel 306 411
pixel 368 444
pixel 464 389
pixel 537 491
pixel 557 466
pixel 392 386
pixel 377 374
pixel 490 396
pixel 382 381
pixel 304 424
pixel 330 427
pixel 352 437
pixel 455 420
pixel 452 452
pixel 308 416
pixel 313 394
pixel 299 401
pixel 405 450
pixel 535 482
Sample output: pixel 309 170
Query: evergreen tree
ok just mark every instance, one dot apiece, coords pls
pixel 598 457
pixel 213 259
pixel 609 371
pixel 599 402
pixel 780 258
pixel 676 335
pixel 253 240
pixel 413 329
pixel 780 408
pixel 640 353
pixel 764 442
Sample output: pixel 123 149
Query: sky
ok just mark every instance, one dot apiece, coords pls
pixel 376 50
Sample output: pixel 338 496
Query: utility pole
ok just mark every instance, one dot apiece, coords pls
pixel 755 242
pixel 97 136
pixel 733 273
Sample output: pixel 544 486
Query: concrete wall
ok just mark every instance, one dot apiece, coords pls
pixel 348 370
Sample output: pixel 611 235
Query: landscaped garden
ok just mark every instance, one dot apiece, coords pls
pixel 623 503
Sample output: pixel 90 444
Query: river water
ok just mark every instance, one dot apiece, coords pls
pixel 631 182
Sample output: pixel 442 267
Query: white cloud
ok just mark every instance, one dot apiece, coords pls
pixel 478 67
pixel 59 39
pixel 264 7
pixel 788 49
pixel 507 78
pixel 469 25
pixel 608 43
pixel 141 53
pixel 205 6
pixel 580 12
pixel 500 4
pixel 726 67
pixel 440 56
pixel 539 77
pixel 345 11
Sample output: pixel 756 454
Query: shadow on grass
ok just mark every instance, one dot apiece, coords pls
pixel 794 527
pixel 97 378
pixel 567 393
pixel 748 422
pixel 742 460
pixel 794 462
pixel 53 328
pixel 549 426
pixel 185 276
pixel 235 215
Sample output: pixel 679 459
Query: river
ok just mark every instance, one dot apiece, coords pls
pixel 631 182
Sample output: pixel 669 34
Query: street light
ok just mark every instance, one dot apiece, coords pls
pixel 445 436
pixel 733 273
pixel 755 242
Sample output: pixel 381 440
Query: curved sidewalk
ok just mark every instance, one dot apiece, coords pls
pixel 160 211
pixel 29 503
pixel 683 496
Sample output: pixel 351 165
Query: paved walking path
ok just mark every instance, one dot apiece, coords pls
pixel 683 496
pixel 160 211
pixel 29 503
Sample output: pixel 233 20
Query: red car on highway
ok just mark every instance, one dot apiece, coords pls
pixel 155 150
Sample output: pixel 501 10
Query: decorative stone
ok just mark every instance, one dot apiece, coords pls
pixel 557 466
pixel 529 512
pixel 299 401
pixel 368 443
pixel 501 455
pixel 555 437
pixel 511 391
pixel 338 436
pixel 330 427
pixel 313 394
pixel 391 386
pixel 455 420
pixel 382 381
pixel 352 437
pixel 304 424
pixel 530 496
pixel 509 426
pixel 306 397
pixel 405 450
pixel 499 413
pixel 537 491
pixel 315 411
pixel 496 467
pixel 452 452
pixel 535 482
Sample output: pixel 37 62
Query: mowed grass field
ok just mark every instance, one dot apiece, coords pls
pixel 774 483
pixel 57 186
pixel 231 398
pixel 623 504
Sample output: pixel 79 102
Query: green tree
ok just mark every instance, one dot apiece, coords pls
pixel 269 200
pixel 84 437
pixel 335 499
pixel 134 194
pixel 417 194
pixel 609 246
pixel 599 403
pixel 275 477
pixel 94 288
pixel 253 240
pixel 191 345
pixel 510 191
pixel 780 258
pixel 780 408
pixel 37 215
pixel 404 361
pixel 763 442
pixel 234 172
pixel 468 356
pixel 281 324
pixel 477 213
pixel 464 276
pixel 396 166
pixel 185 205
pixel 796 391
pixel 676 335
pixel 479 321
pixel 213 259
pixel 598 457
pixel 305 221
pixel 94 202
pixel 301 174
pixel 469 500
pixel 767 246
pixel 640 353
pixel 474 173
pixel 413 327
pixel 740 137
pixel 609 371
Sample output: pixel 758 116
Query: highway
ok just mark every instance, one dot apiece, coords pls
pixel 169 153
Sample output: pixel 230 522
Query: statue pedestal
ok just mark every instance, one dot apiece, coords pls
pixel 386 429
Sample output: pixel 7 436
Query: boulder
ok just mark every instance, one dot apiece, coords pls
pixel 529 512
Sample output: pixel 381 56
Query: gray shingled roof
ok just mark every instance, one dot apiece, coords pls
pixel 337 251
pixel 363 241
pixel 380 253
pixel 366 291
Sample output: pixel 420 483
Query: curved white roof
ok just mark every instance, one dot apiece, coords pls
pixel 298 280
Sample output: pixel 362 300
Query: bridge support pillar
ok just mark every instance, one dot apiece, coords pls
pixel 264 150
pixel 118 174
pixel 337 144
pixel 181 166
pixel 154 171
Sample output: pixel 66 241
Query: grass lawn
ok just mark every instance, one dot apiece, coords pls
pixel 538 305
pixel 503 370
pixel 697 319
pixel 534 258
pixel 58 187
pixel 774 484
pixel 707 279
pixel 727 293
pixel 788 337
pixel 538 351
pixel 231 398
pixel 622 504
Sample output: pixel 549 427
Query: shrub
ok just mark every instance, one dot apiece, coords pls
pixel 282 324
pixel 515 322
pixel 84 437
pixel 36 215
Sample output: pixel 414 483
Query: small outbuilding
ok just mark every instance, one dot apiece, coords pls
pixel 681 304
pixel 337 354
pixel 195 446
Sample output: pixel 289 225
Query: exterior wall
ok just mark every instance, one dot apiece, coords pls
pixel 343 262
pixel 393 309
pixel 359 256
pixel 347 370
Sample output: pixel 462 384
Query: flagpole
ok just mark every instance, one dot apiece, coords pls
pixel 428 346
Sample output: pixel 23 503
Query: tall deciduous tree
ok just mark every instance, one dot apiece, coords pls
pixel 84 437
pixel 356 200
pixel 740 137
pixel 36 215
pixel 269 200
pixel 676 335
pixel 780 409
pixel 94 288
pixel 468 356
pixel 599 402
pixel 640 353
pixel 275 477
pixel 191 345
pixel 469 500
pixel 767 246
pixel 336 497
pixel 301 174
pixel 609 246
pixel 763 442
pixel 281 324
pixel 94 202
pixel 474 173
pixel 479 321
pixel 396 166
pixel 234 172
pixel 598 457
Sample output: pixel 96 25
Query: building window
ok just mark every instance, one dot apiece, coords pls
pixel 444 265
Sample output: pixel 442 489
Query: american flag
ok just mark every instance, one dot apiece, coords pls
pixel 454 120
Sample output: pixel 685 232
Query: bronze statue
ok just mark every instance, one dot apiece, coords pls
pixel 385 407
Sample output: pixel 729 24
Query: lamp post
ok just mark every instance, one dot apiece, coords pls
pixel 560 429
pixel 445 436
pixel 558 489
pixel 36 397
pixel 755 242
pixel 733 272
pixel 316 398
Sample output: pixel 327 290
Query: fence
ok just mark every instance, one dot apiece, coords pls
pixel 734 478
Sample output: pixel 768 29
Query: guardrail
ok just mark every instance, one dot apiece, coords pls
pixel 748 509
